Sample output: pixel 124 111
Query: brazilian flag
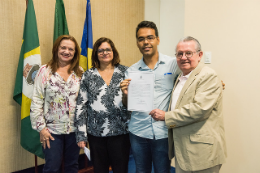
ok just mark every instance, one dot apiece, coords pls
pixel 29 64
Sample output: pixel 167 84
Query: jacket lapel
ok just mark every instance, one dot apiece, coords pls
pixel 176 82
pixel 190 80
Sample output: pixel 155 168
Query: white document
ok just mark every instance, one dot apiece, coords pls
pixel 140 91
pixel 87 152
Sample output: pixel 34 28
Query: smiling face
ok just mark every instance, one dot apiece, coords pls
pixel 66 51
pixel 188 64
pixel 146 47
pixel 105 53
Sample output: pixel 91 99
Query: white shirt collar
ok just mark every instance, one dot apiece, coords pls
pixel 185 76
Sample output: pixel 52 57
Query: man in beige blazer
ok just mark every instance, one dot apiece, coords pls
pixel 195 116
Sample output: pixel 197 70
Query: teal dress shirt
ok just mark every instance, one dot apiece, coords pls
pixel 166 71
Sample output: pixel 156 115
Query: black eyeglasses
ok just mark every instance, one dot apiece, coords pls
pixel 149 38
pixel 102 51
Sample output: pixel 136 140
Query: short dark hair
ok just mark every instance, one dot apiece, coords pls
pixel 54 62
pixel 147 24
pixel 94 57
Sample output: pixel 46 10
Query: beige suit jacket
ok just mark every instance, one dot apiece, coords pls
pixel 196 129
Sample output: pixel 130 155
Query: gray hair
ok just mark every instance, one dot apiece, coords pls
pixel 189 38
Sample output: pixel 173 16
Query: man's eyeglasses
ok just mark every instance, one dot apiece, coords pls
pixel 102 51
pixel 150 38
pixel 188 54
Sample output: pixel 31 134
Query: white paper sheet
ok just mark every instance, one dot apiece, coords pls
pixel 87 152
pixel 140 91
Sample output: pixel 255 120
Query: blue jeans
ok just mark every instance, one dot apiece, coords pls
pixel 148 152
pixel 64 146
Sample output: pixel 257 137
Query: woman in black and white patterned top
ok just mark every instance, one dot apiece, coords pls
pixel 101 118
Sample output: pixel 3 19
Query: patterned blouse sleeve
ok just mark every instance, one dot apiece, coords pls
pixel 81 111
pixel 37 104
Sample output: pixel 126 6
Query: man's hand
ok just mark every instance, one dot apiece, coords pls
pixel 81 144
pixel 124 86
pixel 45 137
pixel 157 115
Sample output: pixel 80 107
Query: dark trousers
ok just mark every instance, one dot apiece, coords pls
pixel 65 146
pixel 148 152
pixel 112 150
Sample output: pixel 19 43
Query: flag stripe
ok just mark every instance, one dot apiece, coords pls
pixel 83 61
pixel 30 137
pixel 89 59
pixel 32 52
pixel 25 109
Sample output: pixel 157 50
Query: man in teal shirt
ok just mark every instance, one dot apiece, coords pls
pixel 148 137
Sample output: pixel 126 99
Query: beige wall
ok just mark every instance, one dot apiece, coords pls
pixel 115 19
pixel 230 30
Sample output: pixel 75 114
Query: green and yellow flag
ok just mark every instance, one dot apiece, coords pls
pixel 29 64
pixel 60 21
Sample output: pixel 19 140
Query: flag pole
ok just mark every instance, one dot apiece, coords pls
pixel 35 164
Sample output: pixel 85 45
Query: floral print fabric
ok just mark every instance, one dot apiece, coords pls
pixel 99 110
pixel 54 101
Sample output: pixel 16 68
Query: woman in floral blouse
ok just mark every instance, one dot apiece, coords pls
pixel 53 105
pixel 101 118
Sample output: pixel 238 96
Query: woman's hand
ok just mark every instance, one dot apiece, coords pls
pixel 45 137
pixel 81 144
